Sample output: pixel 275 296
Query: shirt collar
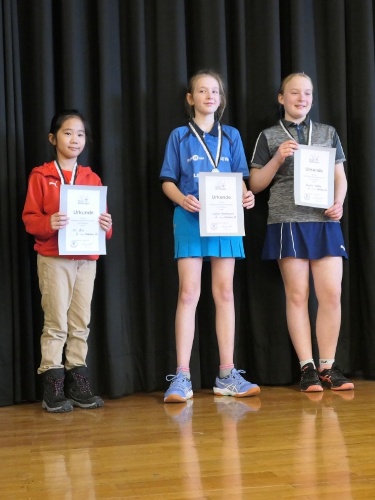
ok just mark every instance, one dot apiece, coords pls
pixel 289 124
pixel 214 131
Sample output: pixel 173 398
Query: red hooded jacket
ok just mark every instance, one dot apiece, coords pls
pixel 43 200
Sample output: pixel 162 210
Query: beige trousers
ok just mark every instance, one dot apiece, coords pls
pixel 66 286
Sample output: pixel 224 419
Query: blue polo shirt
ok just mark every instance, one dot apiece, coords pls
pixel 185 156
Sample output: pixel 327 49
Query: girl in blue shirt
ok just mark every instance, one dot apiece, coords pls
pixel 202 146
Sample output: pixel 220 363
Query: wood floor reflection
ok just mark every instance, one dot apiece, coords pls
pixel 281 444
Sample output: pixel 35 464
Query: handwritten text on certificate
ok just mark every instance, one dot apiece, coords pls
pixel 314 176
pixel 220 195
pixel 83 234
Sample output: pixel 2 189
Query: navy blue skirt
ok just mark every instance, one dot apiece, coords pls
pixel 304 240
pixel 189 243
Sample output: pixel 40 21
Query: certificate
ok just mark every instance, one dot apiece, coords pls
pixel 314 173
pixel 220 195
pixel 83 234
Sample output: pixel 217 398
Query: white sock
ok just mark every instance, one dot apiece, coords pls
pixel 325 364
pixel 305 361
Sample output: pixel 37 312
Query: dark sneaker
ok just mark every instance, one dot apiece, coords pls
pixel 54 399
pixel 310 381
pixel 335 380
pixel 78 389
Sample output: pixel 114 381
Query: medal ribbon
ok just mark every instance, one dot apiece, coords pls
pixel 290 135
pixel 61 173
pixel 214 161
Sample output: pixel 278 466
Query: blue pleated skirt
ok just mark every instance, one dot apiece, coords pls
pixel 304 240
pixel 189 243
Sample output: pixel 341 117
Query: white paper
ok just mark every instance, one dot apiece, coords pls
pixel 220 195
pixel 83 234
pixel 314 169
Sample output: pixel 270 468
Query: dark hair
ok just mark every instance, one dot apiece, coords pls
pixel 223 100
pixel 60 117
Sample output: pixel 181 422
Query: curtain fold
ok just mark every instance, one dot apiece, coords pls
pixel 16 330
pixel 125 65
pixel 360 84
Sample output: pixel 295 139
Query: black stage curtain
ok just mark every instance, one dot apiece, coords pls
pixel 125 64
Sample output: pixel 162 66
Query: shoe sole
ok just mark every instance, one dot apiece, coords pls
pixel 349 386
pixel 226 392
pixel 90 406
pixel 59 409
pixel 313 388
pixel 176 398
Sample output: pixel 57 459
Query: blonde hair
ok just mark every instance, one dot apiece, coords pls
pixel 193 80
pixel 287 79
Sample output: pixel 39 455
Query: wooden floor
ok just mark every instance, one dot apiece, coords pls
pixel 281 444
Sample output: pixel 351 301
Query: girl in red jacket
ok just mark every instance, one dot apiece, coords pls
pixel 66 282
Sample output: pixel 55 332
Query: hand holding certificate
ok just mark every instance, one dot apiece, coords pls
pixel 220 195
pixel 83 234
pixel 314 169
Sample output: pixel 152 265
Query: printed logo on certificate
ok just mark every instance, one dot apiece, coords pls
pixel 314 174
pixel 83 234
pixel 220 195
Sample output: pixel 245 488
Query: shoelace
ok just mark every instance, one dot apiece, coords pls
pixel 310 373
pixel 58 386
pixel 237 374
pixel 334 372
pixel 82 383
pixel 177 382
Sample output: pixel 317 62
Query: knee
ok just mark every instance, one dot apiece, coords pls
pixel 223 294
pixel 331 299
pixel 189 295
pixel 298 298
